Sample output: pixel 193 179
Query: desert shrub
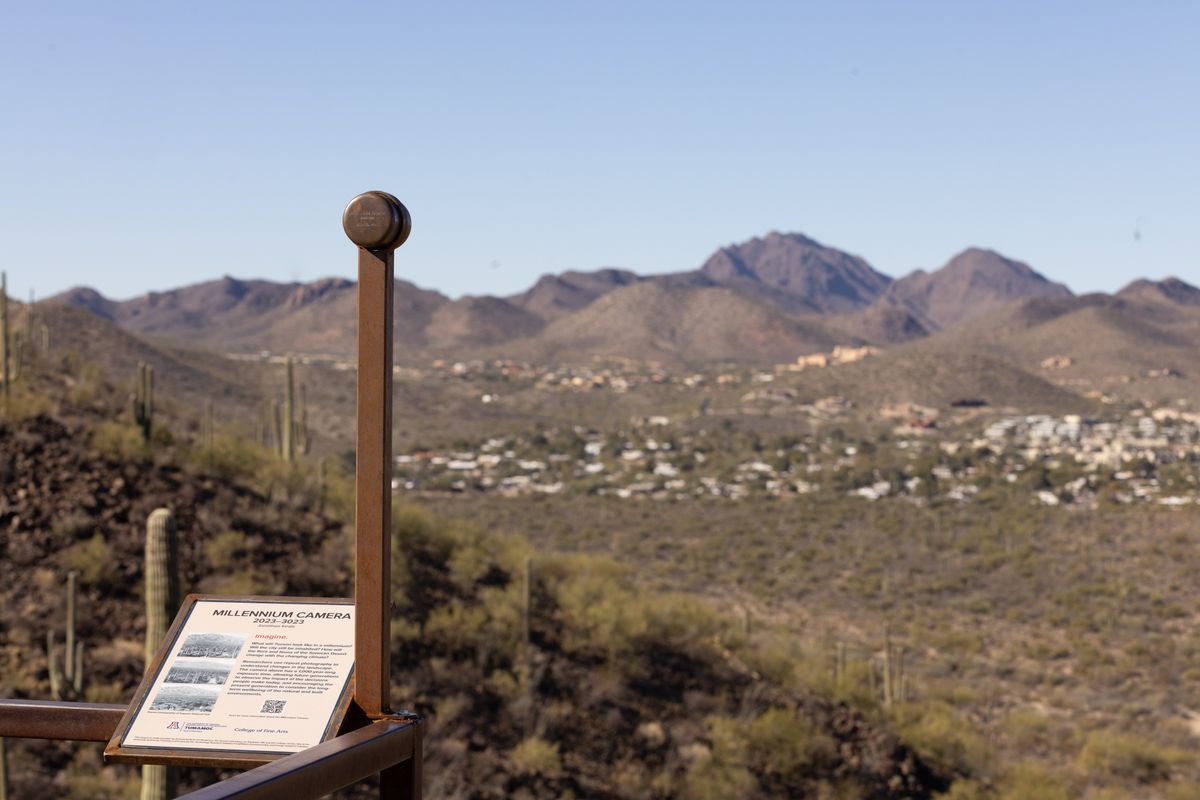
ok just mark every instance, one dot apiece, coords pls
pixel 782 743
pixel 469 553
pixel 1116 754
pixel 719 772
pixel 93 559
pixel 1181 790
pixel 339 492
pixel 249 580
pixel 225 549
pixel 940 733
pixel 631 780
pixel 536 756
pixel 785 660
pixel 90 384
pixel 488 629
pixel 1027 780
pixel 118 441
pixel 71 525
pixel 24 403
pixel 600 611
pixel 965 789
pixel 1027 729
pixel 447 709
pixel 233 457
pixel 294 480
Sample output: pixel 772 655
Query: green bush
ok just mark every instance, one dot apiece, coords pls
pixel 536 756
pixel 24 403
pixel 225 549
pixel 489 629
pixel 784 744
pixel 1109 753
pixel 942 734
pixel 721 772
pixel 92 559
pixel 600 612
pixel 249 580
pixel 1027 780
pixel 118 441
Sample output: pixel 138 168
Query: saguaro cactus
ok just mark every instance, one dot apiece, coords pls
pixel 143 399
pixel 66 679
pixel 162 577
pixel 288 447
pixel 17 343
pixel 162 601
pixel 895 678
pixel 303 442
pixel 527 603
pixel 276 428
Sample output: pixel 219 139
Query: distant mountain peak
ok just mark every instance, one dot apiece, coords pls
pixel 555 295
pixel 1171 289
pixel 796 272
pixel 972 283
pixel 89 299
pixel 306 293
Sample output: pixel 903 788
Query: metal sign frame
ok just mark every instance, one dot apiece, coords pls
pixel 374 740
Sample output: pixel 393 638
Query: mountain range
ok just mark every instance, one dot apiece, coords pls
pixel 767 299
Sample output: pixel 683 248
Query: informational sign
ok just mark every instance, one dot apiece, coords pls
pixel 241 680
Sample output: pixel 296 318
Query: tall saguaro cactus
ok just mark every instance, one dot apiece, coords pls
pixel 162 601
pixel 895 679
pixel 143 398
pixel 289 424
pixel 66 677
pixel 162 577
pixel 288 447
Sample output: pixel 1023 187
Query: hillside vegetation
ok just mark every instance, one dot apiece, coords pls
pixel 614 692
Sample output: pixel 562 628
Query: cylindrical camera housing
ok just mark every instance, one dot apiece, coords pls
pixel 376 221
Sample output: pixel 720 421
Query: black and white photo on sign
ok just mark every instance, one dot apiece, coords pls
pixel 184 697
pixel 199 670
pixel 212 645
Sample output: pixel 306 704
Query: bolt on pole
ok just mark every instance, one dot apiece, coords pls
pixel 378 223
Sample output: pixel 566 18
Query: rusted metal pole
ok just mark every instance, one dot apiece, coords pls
pixel 373 507
pixel 405 781
pixel 48 719
pixel 378 223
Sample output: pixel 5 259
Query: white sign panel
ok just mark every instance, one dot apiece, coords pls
pixel 256 675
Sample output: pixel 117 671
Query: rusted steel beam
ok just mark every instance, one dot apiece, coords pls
pixel 323 768
pixel 373 483
pixel 378 223
pixel 49 719
pixel 405 781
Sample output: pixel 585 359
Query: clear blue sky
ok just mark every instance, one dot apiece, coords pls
pixel 151 145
